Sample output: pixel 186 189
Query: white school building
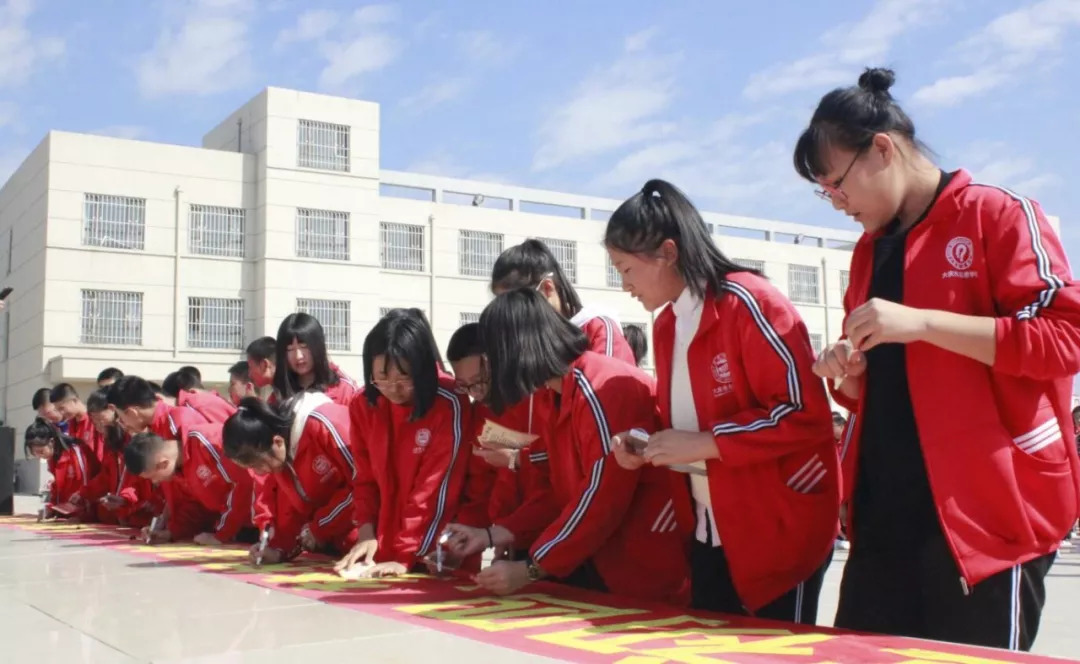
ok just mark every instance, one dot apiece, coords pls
pixel 148 256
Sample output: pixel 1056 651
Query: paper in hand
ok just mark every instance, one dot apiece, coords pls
pixel 356 572
pixel 495 436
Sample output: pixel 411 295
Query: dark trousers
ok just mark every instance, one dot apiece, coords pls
pixel 712 589
pixel 918 593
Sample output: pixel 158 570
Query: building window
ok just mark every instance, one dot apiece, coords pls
pixel 401 246
pixel 333 315
pixel 817 343
pixel 322 145
pixel 468 317
pixel 565 252
pixel 215 322
pixel 803 284
pixel 111 317
pixel 751 264
pixel 216 231
pixel 614 279
pixel 322 234
pixel 845 280
pixel 477 251
pixel 115 222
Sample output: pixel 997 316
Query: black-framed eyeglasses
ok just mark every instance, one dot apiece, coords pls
pixel 828 192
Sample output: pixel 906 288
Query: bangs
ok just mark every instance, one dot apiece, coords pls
pixel 809 150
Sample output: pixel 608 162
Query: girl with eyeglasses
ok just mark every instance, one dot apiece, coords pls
pixel 303 363
pixel 743 418
pixel 961 339
pixel 408 435
pixel 614 528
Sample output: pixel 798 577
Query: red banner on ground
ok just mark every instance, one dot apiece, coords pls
pixel 549 619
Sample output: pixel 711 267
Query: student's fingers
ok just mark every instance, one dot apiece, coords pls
pixel 856 364
pixel 369 552
pixel 347 561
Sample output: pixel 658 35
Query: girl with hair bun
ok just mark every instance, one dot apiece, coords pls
pixel 741 411
pixel 961 340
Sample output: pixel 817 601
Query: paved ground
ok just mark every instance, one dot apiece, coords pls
pixel 68 603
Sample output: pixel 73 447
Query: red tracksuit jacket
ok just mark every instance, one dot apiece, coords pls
pixel 410 475
pixel 71 472
pixel 610 516
pixel 82 428
pixel 997 441
pixel 208 404
pixel 220 486
pixel 109 479
pixel 750 372
pixel 316 486
pixel 605 335
pixel 172 422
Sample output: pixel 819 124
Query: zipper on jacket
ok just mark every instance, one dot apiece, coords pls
pixel 964 586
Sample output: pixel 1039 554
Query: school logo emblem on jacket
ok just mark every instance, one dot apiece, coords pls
pixel 721 372
pixel 960 252
pixel 423 437
pixel 321 465
pixel 203 473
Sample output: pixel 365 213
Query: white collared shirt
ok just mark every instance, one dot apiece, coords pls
pixel 687 310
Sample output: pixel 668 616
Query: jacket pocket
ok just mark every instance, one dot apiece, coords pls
pixel 1048 494
pixel 1044 442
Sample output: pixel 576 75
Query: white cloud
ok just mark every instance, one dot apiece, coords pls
pixel 351 45
pixel 21 51
pixel 1004 50
pixel 133 132
pixel 310 25
pixel 482 46
pixel 995 162
pixel 953 90
pixel 847 49
pixel 8 112
pixel 444 164
pixel 436 94
pixel 613 107
pixel 204 49
pixel 639 41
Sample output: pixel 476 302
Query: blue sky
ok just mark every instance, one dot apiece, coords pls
pixel 593 97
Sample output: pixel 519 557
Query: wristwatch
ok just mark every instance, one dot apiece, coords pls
pixel 533 570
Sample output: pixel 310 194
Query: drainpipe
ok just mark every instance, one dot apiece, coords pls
pixel 176 274
pixel 825 298
pixel 431 270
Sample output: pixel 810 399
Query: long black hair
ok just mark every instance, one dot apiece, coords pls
pixel 527 343
pixel 403 336
pixel 529 263
pixel 849 118
pixel 98 402
pixel 659 212
pixel 248 434
pixel 41 432
pixel 307 330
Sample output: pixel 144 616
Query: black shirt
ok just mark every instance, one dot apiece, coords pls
pixel 893 504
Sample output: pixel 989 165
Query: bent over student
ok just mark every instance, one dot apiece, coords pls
pixel 961 340
pixel 300 452
pixel 614 530
pixel 739 404
pixel 408 434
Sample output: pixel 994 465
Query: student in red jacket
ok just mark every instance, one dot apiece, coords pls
pixel 532 265
pixel 302 362
pixel 740 405
pixel 408 433
pixel 209 496
pixel 961 340
pixel 240 383
pixel 71 464
pixel 103 492
pixel 616 531
pixel 262 361
pixel 299 451
pixel 73 410
pixel 186 387
pixel 516 489
pixel 139 408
